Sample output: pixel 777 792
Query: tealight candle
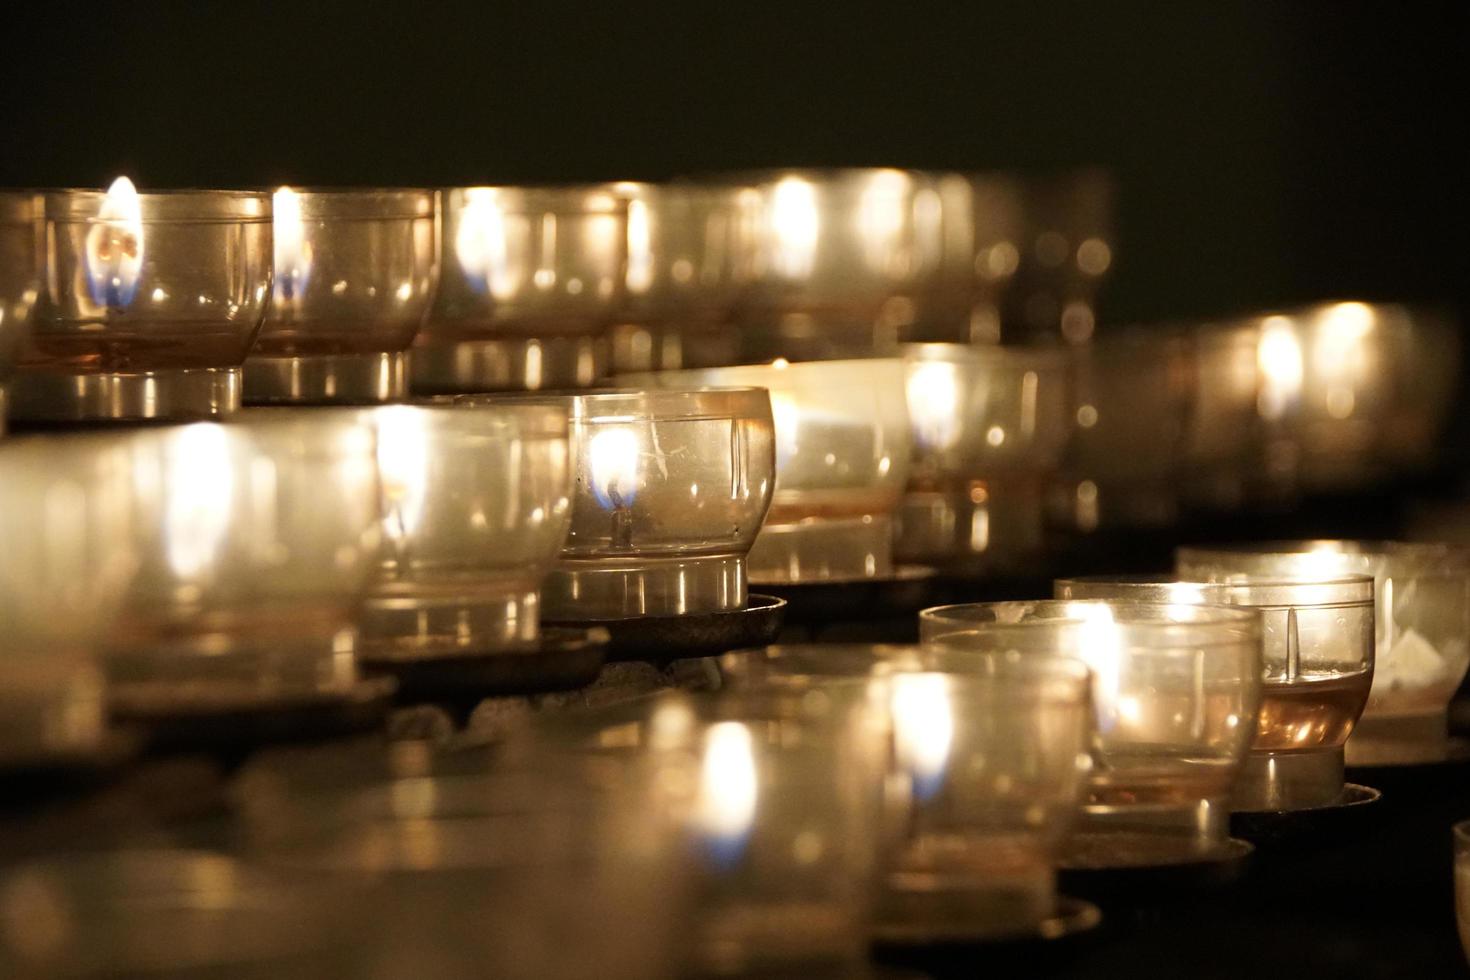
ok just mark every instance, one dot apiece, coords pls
pixel 669 489
pixel 843 256
pixel 531 280
pixel 354 271
pixel 20 276
pixel 475 510
pixel 1176 689
pixel 1422 596
pixel 842 459
pixel 989 425
pixel 151 304
pixel 1318 654
pixel 257 540
pixel 65 518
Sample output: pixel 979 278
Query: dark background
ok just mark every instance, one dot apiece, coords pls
pixel 1267 152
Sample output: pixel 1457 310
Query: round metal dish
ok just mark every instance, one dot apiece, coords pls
pixel 1347 815
pixel 909 589
pixel 944 949
pixel 660 639
pixel 567 658
pixel 1144 868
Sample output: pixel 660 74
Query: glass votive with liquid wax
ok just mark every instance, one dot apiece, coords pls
pixel 257 540
pixel 842 460
pixel 20 277
pixel 1422 629
pixel 151 303
pixel 1317 648
pixel 476 507
pixel 354 273
pixel 842 259
pixel 780 799
pixel 1064 255
pixel 531 279
pixel 66 559
pixel 691 256
pixel 989 426
pixel 1176 690
pixel 668 492
pixel 990 755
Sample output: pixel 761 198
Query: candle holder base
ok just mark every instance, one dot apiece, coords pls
pixel 1346 817
pixel 909 589
pixel 409 627
pixel 562 660
pixel 507 364
pixel 993 525
pixel 924 943
pixel 841 550
pixel 1414 740
pixel 596 589
pixel 662 639
pixel 187 394
pixel 337 379
pixel 1285 781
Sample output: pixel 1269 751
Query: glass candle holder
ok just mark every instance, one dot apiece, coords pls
pixel 1422 616
pixel 151 303
pixel 257 541
pixel 20 277
pixel 668 492
pixel 1176 689
pixel 531 280
pixel 989 425
pixel 991 762
pixel 842 258
pixel 66 559
pixel 982 228
pixel 1317 647
pixel 475 511
pixel 691 255
pixel 1065 254
pixel 1133 393
pixel 354 272
pixel 842 455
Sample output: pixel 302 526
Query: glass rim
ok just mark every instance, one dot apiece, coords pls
pixel 20 206
pixel 1362 547
pixel 607 197
pixel 181 206
pixel 983 355
pixel 611 405
pixel 1149 622
pixel 529 420
pixel 1302 592
pixel 362 203
pixel 825 178
pixel 779 366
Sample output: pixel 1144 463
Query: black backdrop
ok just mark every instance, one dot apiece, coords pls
pixel 1268 152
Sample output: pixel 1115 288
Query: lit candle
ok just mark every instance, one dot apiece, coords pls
pixel 729 789
pixel 613 456
pixel 292 250
pixel 923 729
pixel 114 247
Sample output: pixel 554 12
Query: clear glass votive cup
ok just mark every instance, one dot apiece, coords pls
pixel 20 277
pixel 989 426
pixel 257 540
pixel 669 488
pixel 151 302
pixel 1422 627
pixel 531 280
pixel 1317 649
pixel 476 506
pixel 1176 689
pixel 354 272
pixel 66 560
pixel 842 460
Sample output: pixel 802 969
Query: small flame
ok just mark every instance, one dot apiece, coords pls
pixel 480 244
pixel 1279 357
pixel 1100 646
pixel 729 788
pixel 292 250
pixel 923 729
pixel 794 222
pixel 403 469
pixel 881 221
pixel 640 248
pixel 114 247
pixel 612 466
pixel 200 487
pixel 934 404
pixel 786 419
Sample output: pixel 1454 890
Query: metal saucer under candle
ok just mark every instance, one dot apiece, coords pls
pixel 909 589
pixel 563 660
pixel 995 525
pixel 1147 865
pixel 1349 815
pixel 660 639
pixel 507 364
pixel 900 941
pixel 340 379
pixel 188 394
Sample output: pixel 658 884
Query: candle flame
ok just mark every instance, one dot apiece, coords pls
pixel 1279 358
pixel 794 222
pixel 403 469
pixel 881 221
pixel 200 487
pixel 923 729
pixel 934 404
pixel 114 247
pixel 292 250
pixel 613 457
pixel 729 787
pixel 640 248
pixel 480 244
pixel 1100 646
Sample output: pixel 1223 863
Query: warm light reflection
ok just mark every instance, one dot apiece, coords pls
pixel 640 247
pixel 480 244
pixel 793 222
pixel 292 250
pixel 934 404
pixel 923 729
pixel 1341 354
pixel 729 788
pixel 200 486
pixel 1279 358
pixel 113 255
pixel 403 468
pixel 1186 593
pixel 786 419
pixel 882 221
pixel 613 456
pixel 1100 646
